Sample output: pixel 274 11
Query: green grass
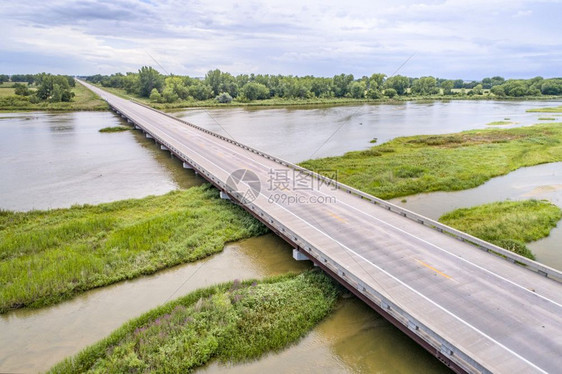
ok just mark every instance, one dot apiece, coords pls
pixel 501 123
pixel 49 256
pixel 508 224
pixel 84 99
pixel 230 322
pixel 555 109
pixel 114 129
pixel 547 119
pixel 410 165
pixel 7 91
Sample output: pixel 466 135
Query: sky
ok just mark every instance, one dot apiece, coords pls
pixel 447 39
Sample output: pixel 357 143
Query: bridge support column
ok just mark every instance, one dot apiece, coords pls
pixel 299 256
pixel 224 195
pixel 187 166
pixel 137 127
pixel 148 136
pixel 163 147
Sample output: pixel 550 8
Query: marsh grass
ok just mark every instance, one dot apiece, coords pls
pixel 115 129
pixel 554 109
pixel 49 256
pixel 547 119
pixel 508 224
pixel 233 322
pixel 501 123
pixel 450 162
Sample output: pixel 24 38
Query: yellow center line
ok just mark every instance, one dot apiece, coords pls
pixel 434 269
pixel 337 217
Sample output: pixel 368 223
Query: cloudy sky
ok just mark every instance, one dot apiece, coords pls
pixel 467 39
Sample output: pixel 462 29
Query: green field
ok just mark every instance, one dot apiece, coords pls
pixel 501 123
pixel 410 165
pixel 231 322
pixel 48 256
pixel 508 224
pixel 84 99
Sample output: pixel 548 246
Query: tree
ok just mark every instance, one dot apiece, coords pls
pixel 376 81
pixel 477 90
pixel 224 98
pixel 21 89
pixel 155 96
pixel 341 84
pixel 149 78
pixel 4 78
pixel 424 86
pixel 54 88
pixel 201 91
pixel 447 87
pixel 498 91
pixel 390 92
pixel 552 87
pixel 357 89
pixel 255 91
pixel 458 83
pixel 399 83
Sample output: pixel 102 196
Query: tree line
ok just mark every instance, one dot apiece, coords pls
pixel 224 87
pixel 41 87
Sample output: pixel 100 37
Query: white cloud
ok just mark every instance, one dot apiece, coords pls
pixel 451 38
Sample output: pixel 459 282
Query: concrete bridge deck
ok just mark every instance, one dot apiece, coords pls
pixel 476 311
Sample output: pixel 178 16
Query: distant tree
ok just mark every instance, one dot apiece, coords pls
pixel 56 95
pixel 201 91
pixel 390 92
pixel 224 98
pixel 54 88
pixel 255 91
pixel 376 81
pixel 458 83
pixel 447 87
pixel 357 89
pixel 149 78
pixel 496 81
pixel 498 91
pixel 168 95
pixel 552 87
pixel 424 86
pixel 373 93
pixel 487 83
pixel 155 96
pixel 341 84
pixel 21 89
pixel 399 83
pixel 477 90
pixel 4 78
pixel 131 83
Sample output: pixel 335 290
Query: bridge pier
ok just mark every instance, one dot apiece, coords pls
pixel 187 166
pixel 137 127
pixel 224 195
pixel 163 147
pixel 299 256
pixel 148 136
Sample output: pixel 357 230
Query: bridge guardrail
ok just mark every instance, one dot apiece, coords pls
pixel 478 243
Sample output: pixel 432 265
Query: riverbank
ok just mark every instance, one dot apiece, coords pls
pixel 556 109
pixel 508 224
pixel 409 165
pixel 49 256
pixel 231 322
pixel 280 102
pixel 84 100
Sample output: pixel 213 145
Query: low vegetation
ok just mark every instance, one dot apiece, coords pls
pixel 410 165
pixel 554 109
pixel 82 99
pixel 501 123
pixel 115 129
pixel 547 119
pixel 508 224
pixel 230 322
pixel 48 256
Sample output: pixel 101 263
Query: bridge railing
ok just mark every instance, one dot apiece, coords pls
pixel 478 243
pixel 446 348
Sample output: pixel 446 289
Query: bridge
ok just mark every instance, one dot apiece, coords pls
pixel 475 306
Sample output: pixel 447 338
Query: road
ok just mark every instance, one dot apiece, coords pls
pixel 503 317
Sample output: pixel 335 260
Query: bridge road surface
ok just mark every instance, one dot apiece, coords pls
pixel 505 318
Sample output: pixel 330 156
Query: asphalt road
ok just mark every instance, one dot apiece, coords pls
pixel 503 316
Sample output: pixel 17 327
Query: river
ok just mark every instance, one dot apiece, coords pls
pixel 53 160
